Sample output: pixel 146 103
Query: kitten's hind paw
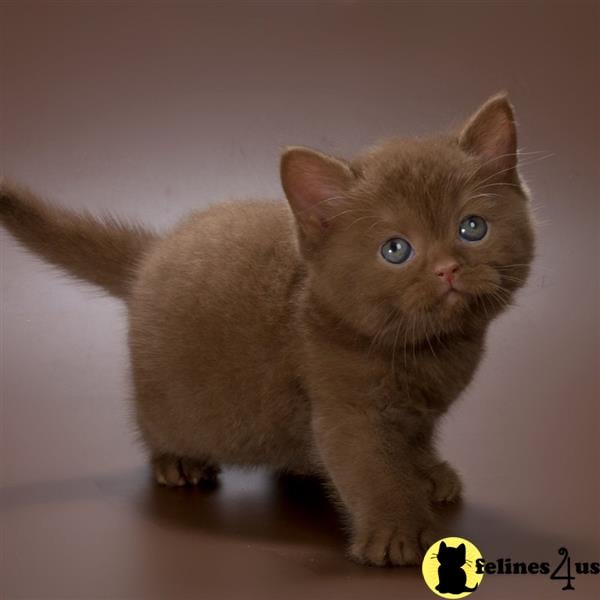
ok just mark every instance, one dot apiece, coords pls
pixel 446 485
pixel 173 471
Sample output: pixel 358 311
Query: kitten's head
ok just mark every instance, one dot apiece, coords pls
pixel 426 234
pixel 452 557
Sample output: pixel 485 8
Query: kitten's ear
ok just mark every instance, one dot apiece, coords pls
pixel 462 551
pixel 491 135
pixel 315 185
pixel 442 546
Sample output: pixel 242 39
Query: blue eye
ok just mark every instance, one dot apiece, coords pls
pixel 396 250
pixel 473 229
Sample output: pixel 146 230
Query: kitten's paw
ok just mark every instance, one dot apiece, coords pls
pixel 446 485
pixel 172 471
pixel 391 546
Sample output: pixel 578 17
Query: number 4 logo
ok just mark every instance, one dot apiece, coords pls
pixel 568 577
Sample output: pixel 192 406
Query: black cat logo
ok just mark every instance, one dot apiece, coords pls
pixel 453 579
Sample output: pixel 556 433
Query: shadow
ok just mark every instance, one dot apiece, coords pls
pixel 257 506
pixel 260 506
pixel 253 505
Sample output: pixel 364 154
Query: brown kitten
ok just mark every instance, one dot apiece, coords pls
pixel 325 339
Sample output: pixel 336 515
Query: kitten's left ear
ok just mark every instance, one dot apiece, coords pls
pixel 462 549
pixel 491 135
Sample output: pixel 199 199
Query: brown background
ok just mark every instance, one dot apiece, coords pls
pixel 153 109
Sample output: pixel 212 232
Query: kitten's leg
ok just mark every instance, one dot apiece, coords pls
pixel 386 496
pixel 174 471
pixel 446 485
pixel 444 482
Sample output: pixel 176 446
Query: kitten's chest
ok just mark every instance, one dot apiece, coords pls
pixel 429 379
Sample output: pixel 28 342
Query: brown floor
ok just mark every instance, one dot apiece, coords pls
pixel 154 109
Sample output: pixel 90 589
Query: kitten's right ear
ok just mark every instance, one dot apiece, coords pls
pixel 315 185
pixel 491 135
pixel 442 546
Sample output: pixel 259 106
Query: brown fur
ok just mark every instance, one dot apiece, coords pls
pixel 261 335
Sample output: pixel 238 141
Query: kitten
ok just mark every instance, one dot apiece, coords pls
pixel 453 579
pixel 325 336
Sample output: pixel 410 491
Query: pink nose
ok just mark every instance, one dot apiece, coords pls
pixel 447 271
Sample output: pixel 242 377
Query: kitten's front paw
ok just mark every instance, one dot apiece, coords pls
pixel 388 545
pixel 446 485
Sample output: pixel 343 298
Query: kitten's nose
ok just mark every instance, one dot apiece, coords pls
pixel 447 270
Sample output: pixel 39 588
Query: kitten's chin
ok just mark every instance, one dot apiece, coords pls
pixel 453 297
pixel 452 301
pixel 451 307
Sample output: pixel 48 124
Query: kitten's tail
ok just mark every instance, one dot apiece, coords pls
pixel 102 251
pixel 468 589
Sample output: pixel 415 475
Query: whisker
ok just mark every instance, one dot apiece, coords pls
pixel 520 165
pixel 343 199
pixel 362 219
pixel 414 338
pixel 376 223
pixel 512 278
pixel 485 195
pixel 352 210
pixel 394 350
pixel 379 334
pixel 487 185
pixel 429 343
pixel 405 344
pixel 518 153
pixel 504 267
